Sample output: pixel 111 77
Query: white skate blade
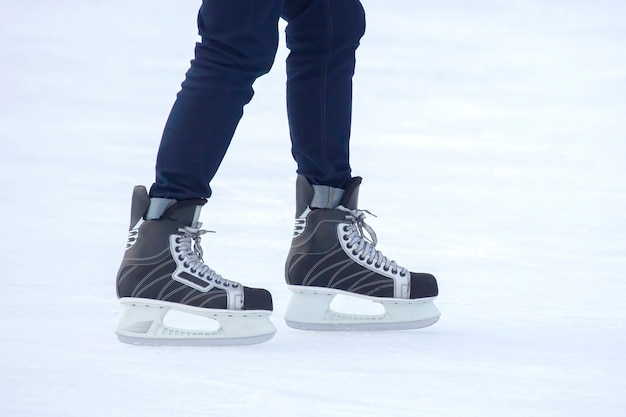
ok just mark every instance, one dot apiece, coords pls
pixel 142 324
pixel 309 309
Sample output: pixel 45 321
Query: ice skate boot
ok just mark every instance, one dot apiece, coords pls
pixel 333 252
pixel 163 270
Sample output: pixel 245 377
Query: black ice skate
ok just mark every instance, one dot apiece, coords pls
pixel 333 252
pixel 162 270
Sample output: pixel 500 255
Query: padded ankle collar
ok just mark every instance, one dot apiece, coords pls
pixel 323 196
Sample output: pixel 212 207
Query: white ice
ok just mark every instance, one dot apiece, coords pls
pixel 491 138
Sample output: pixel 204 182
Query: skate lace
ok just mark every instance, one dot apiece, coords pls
pixel 362 240
pixel 191 252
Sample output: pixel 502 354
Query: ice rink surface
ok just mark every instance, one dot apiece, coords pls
pixel 491 138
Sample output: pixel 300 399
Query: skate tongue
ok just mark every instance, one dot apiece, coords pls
pixel 185 211
pixel 350 197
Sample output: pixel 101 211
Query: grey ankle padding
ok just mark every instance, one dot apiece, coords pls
pixel 326 197
pixel 157 207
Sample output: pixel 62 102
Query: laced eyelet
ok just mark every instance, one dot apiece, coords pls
pixel 369 262
pixel 186 265
pixel 180 258
pixel 345 228
pixel 361 258
pixel 394 272
pixel 403 274
pixel 193 271
pixel 177 240
pixel 355 252
pixel 345 237
pixel 177 249
pixel 349 246
pixel 386 269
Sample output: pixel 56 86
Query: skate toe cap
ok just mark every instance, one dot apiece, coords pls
pixel 423 285
pixel 257 299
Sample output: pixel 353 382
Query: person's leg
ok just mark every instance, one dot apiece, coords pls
pixel 333 251
pixel 238 44
pixel 163 267
pixel 322 36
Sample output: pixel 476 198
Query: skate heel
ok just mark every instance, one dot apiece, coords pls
pixel 142 323
pixel 310 309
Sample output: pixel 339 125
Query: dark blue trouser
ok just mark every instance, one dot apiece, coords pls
pixel 238 44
